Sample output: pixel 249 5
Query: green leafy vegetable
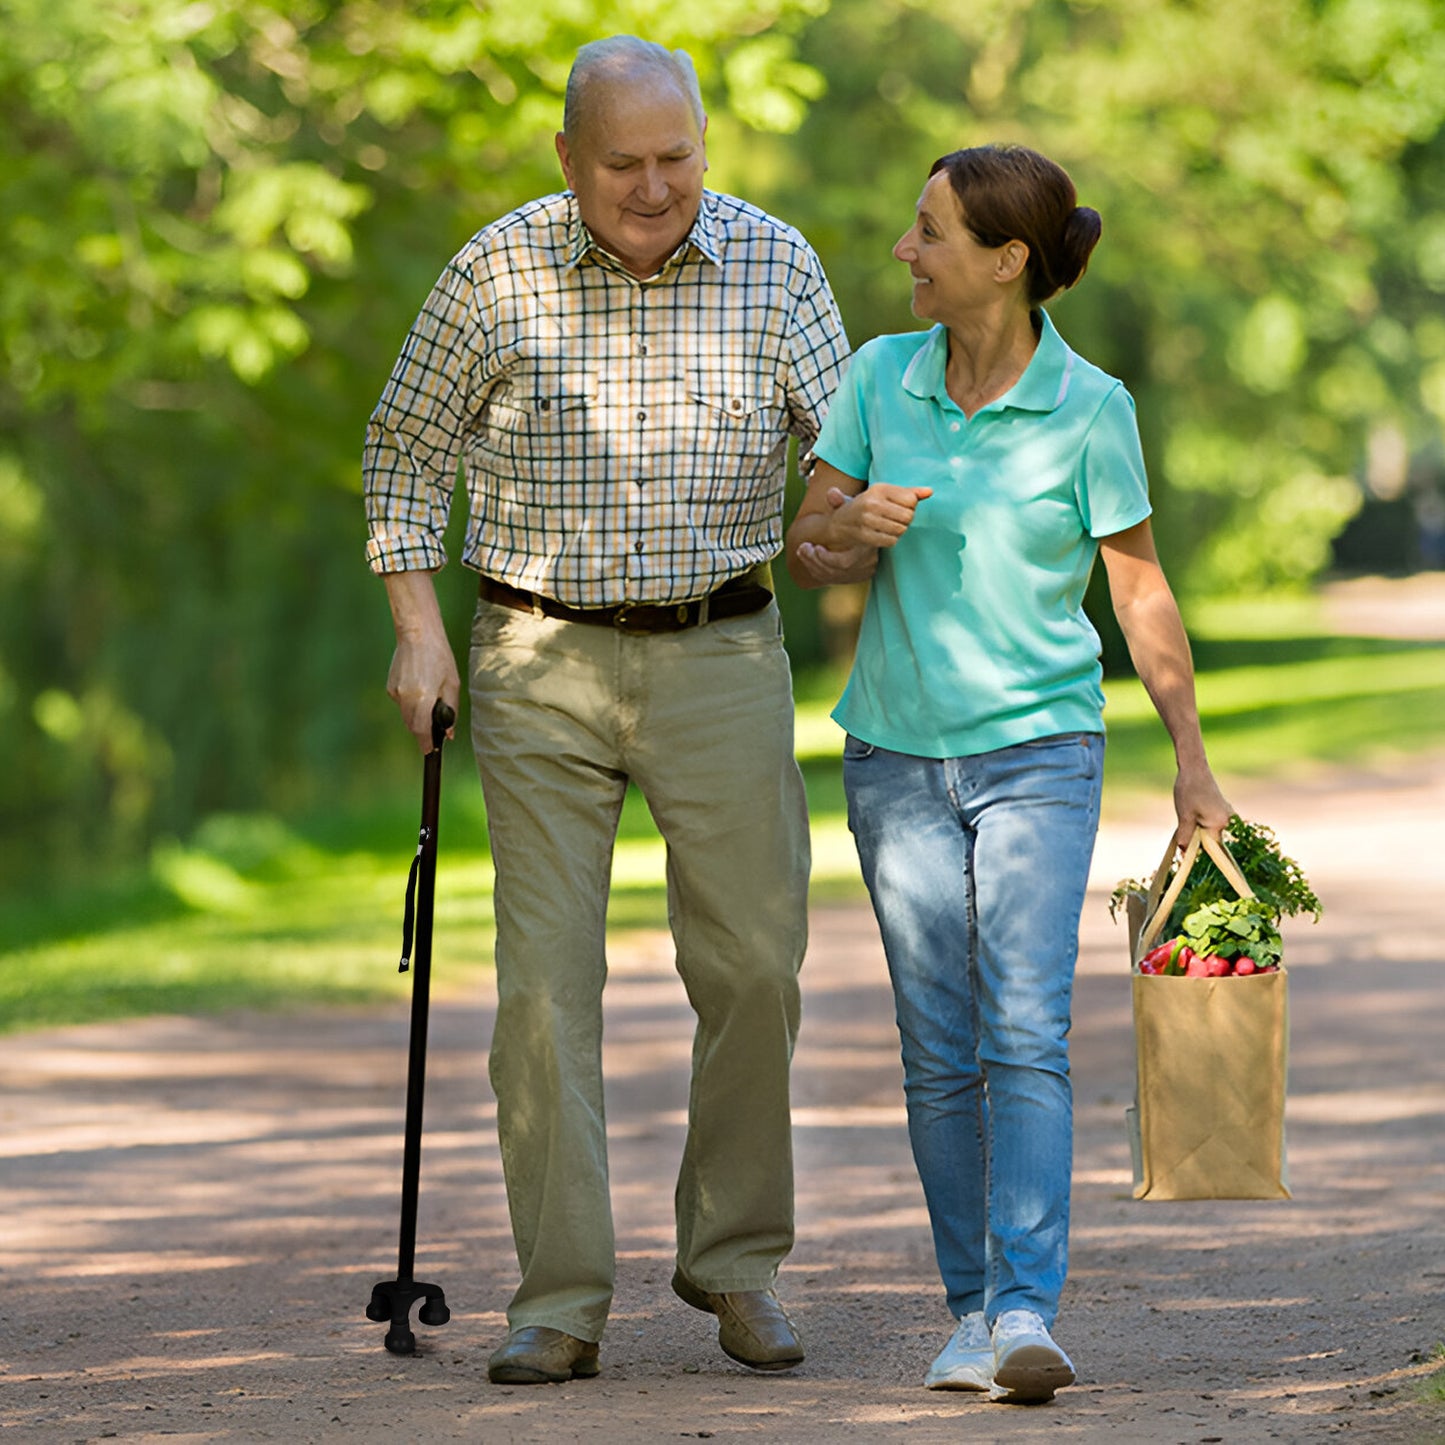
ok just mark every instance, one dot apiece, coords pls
pixel 1233 926
pixel 1278 882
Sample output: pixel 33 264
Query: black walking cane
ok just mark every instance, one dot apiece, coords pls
pixel 392 1299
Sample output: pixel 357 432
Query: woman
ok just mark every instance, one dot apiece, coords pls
pixel 974 472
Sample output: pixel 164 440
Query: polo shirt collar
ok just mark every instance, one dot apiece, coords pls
pixel 702 238
pixel 1042 387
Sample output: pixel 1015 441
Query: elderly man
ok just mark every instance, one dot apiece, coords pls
pixel 618 368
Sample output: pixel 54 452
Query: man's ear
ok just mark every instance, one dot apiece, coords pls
pixel 565 159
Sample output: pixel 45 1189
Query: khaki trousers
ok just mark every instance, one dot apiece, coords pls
pixel 563 715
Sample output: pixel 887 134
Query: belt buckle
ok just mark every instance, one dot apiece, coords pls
pixel 620 620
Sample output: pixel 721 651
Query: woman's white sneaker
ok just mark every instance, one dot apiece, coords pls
pixel 966 1361
pixel 1027 1365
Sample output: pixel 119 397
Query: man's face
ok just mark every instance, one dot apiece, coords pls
pixel 636 168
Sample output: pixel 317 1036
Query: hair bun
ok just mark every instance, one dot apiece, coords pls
pixel 1081 234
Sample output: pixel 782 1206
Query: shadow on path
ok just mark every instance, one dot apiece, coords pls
pixel 195 1209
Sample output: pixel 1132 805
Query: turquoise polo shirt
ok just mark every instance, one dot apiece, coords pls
pixel 974 635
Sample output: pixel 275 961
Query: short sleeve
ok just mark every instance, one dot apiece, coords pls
pixel 1112 487
pixel 844 441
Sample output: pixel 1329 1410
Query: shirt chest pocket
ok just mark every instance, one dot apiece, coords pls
pixel 536 423
pixel 729 399
pixel 538 403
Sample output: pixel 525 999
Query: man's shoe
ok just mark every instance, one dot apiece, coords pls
pixel 536 1355
pixel 966 1361
pixel 752 1327
pixel 1027 1365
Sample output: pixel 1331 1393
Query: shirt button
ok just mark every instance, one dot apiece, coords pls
pixel 642 416
pixel 735 405
pixel 545 403
pixel 953 426
pixel 637 545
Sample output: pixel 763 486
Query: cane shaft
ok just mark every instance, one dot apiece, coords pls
pixel 420 1007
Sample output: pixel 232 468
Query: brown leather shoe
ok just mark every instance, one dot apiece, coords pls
pixel 752 1326
pixel 536 1355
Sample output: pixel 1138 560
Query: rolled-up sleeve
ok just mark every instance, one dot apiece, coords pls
pixel 845 442
pixel 817 353
pixel 415 435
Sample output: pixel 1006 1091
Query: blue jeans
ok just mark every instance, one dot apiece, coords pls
pixel 977 869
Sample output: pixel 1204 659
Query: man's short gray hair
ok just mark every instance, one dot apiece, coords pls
pixel 625 58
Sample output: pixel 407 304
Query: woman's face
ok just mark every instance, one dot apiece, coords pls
pixel 953 272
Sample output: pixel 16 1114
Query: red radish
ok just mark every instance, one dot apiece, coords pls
pixel 1216 967
pixel 1160 952
pixel 1197 966
pixel 1244 965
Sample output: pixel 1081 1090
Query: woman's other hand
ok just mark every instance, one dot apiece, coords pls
pixel 876 517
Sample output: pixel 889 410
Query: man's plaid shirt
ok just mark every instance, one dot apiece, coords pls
pixel 622 440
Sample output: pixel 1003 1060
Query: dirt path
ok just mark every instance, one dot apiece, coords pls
pixel 194 1210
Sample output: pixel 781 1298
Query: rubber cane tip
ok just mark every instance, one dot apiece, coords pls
pixel 401 1342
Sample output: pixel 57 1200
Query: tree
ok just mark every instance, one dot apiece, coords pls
pixel 220 220
pixel 1271 269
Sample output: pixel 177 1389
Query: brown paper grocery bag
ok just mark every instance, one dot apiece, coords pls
pixel 1208 1117
pixel 1211 1062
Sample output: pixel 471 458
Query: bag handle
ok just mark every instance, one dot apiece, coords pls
pixel 1157 909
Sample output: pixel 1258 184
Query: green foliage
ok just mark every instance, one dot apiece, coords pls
pixel 1432 1387
pixel 251 911
pixel 1278 882
pixel 220 219
pixel 1211 917
pixel 1270 181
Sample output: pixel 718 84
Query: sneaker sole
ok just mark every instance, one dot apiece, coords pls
pixel 1030 1376
pixel 959 1382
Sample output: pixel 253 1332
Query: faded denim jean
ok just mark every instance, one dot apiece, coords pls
pixel 977 868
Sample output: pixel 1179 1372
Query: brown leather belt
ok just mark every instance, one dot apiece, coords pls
pixel 735 598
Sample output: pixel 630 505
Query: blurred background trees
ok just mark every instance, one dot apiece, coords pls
pixel 221 215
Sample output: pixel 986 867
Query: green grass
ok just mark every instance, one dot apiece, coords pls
pixel 1432 1387
pixel 254 912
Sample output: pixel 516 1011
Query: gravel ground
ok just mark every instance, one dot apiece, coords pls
pixel 195 1209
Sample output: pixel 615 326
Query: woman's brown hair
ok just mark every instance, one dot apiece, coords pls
pixel 1012 193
